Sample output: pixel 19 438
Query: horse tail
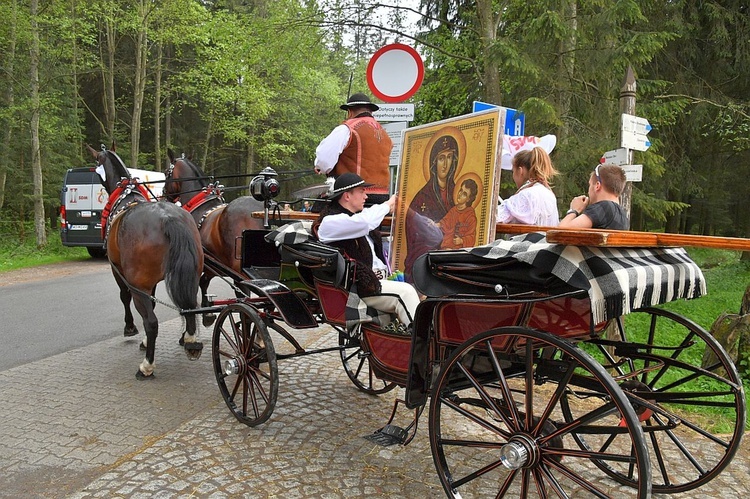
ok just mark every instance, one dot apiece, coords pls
pixel 184 264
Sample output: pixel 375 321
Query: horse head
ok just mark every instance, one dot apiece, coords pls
pixel 109 166
pixel 184 180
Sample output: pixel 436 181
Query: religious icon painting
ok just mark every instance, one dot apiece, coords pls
pixel 447 185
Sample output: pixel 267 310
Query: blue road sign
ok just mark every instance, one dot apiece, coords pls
pixel 514 119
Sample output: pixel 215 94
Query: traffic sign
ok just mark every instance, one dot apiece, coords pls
pixel 395 72
pixel 633 173
pixel 514 119
pixel 394 132
pixel 394 112
pixel 617 157
pixel 633 132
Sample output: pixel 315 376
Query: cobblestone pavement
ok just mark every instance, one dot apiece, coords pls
pixel 79 425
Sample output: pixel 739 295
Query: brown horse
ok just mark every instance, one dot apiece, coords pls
pixel 220 224
pixel 148 242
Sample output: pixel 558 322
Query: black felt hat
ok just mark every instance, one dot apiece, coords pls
pixel 347 182
pixel 359 100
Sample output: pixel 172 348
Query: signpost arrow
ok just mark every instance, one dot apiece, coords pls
pixel 634 131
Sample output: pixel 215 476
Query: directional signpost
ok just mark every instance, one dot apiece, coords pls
pixel 634 133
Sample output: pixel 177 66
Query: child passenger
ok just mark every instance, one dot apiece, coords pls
pixel 459 225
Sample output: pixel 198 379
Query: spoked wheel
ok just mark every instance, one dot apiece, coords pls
pixel 497 428
pixel 696 417
pixel 357 366
pixel 245 364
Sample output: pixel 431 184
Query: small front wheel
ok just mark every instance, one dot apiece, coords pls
pixel 245 364
pixel 357 366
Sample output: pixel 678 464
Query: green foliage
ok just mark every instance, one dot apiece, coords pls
pixel 18 248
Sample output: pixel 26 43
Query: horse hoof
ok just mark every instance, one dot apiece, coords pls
pixel 194 350
pixel 130 331
pixel 182 341
pixel 209 319
pixel 141 346
pixel 142 377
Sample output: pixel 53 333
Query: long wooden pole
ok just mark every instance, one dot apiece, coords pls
pixel 627 106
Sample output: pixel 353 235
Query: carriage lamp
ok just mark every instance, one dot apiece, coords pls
pixel 231 366
pixel 514 454
pixel 265 186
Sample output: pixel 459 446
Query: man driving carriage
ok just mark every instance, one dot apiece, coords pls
pixel 359 145
pixel 346 224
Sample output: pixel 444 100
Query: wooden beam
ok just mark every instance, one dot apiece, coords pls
pixel 589 237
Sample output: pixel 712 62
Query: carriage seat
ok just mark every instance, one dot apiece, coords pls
pixel 456 272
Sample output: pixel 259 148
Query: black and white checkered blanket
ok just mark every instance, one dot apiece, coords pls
pixel 618 280
pixel 357 311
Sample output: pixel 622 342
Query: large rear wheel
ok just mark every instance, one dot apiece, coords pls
pixel 694 415
pixel 497 427
pixel 245 364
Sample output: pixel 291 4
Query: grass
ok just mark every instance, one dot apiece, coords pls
pixel 19 253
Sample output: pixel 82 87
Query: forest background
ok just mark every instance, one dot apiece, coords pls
pixel 241 85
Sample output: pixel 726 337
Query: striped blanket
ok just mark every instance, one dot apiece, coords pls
pixel 618 280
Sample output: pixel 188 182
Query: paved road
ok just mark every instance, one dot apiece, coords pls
pixel 79 425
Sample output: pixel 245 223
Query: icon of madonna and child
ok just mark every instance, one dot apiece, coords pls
pixel 449 209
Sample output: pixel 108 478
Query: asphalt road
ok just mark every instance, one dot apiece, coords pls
pixel 56 308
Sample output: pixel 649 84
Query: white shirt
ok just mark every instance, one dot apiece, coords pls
pixel 330 148
pixel 342 226
pixel 534 205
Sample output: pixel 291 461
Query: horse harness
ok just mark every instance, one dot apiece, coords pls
pixel 125 196
pixel 209 199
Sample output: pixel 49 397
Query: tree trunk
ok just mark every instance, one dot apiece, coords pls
pixel 108 79
pixel 490 72
pixel 732 331
pixel 157 109
pixel 9 101
pixel 139 83
pixel 40 228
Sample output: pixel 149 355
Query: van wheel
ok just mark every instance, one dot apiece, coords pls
pixel 96 252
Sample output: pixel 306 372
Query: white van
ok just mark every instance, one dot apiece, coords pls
pixel 82 200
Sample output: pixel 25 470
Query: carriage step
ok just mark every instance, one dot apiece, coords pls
pixel 388 435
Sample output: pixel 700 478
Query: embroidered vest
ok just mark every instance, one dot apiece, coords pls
pixel 367 153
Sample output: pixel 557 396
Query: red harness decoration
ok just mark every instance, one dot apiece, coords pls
pixel 197 200
pixel 117 194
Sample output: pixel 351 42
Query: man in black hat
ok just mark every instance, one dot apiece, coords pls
pixel 359 145
pixel 346 224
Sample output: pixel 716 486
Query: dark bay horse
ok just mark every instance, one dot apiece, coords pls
pixel 220 224
pixel 148 242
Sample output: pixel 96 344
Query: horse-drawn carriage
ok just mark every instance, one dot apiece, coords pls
pixel 541 365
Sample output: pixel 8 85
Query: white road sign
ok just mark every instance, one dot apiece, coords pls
pixel 394 132
pixel 617 157
pixel 394 112
pixel 634 131
pixel 633 173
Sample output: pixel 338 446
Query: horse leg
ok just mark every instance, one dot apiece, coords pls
pixel 125 297
pixel 208 318
pixel 145 307
pixel 193 347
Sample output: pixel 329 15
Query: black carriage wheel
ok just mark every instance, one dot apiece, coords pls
pixel 497 428
pixel 245 364
pixel 697 418
pixel 357 366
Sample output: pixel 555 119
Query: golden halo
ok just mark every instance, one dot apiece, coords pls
pixel 458 136
pixel 480 187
